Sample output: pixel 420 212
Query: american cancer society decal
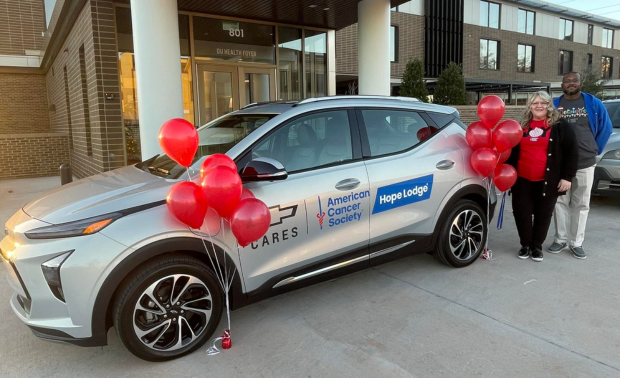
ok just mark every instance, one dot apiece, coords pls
pixel 403 193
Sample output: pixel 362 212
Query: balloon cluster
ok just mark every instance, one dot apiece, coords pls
pixel 492 144
pixel 220 187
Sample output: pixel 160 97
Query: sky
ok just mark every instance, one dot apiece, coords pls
pixel 605 8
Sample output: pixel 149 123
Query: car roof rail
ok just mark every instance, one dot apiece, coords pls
pixel 268 102
pixel 359 97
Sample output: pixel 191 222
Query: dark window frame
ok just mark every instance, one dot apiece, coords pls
pixel 499 15
pixel 497 53
pixel 610 71
pixel 590 33
pixel 533 21
pixel 533 54
pixel 572 28
pixel 396 42
pixel 564 71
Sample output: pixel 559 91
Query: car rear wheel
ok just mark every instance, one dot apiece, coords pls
pixel 168 308
pixel 462 236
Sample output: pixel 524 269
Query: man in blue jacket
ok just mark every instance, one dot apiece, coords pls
pixel 590 121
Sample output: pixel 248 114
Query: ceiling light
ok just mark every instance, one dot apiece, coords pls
pixel 312 6
pixel 325 9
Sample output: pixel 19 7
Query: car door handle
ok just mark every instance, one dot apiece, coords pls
pixel 348 184
pixel 445 164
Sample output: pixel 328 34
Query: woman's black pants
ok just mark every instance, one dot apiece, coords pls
pixel 528 201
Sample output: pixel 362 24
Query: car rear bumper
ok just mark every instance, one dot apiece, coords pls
pixel 605 182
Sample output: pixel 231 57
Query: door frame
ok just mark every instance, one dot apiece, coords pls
pixel 237 70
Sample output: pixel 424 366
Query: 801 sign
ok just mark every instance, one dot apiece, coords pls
pixel 235 32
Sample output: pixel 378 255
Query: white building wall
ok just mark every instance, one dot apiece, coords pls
pixel 597 36
pixel 580 32
pixel 412 7
pixel 509 18
pixel 471 13
pixel 617 39
pixel 547 25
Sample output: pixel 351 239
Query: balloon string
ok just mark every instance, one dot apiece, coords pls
pixel 500 217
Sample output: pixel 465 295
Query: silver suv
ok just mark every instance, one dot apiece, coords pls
pixel 350 181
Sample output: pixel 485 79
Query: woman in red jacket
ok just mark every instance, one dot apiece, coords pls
pixel 546 162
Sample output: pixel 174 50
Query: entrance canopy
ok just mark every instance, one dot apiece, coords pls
pixel 328 14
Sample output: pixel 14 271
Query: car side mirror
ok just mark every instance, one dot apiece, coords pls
pixel 263 169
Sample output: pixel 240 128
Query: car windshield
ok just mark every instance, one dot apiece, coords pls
pixel 218 136
pixel 613 108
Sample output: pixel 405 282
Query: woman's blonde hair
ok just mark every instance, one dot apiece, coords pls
pixel 552 113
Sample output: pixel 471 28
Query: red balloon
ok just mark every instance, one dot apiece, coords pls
pixel 187 203
pixel 507 135
pixel 179 140
pixel 504 156
pixel 478 136
pixel 222 189
pixel 504 177
pixel 246 193
pixel 491 110
pixel 484 161
pixel 250 221
pixel 214 161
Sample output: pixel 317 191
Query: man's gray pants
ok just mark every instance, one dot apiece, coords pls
pixel 571 210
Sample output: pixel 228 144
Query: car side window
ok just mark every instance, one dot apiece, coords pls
pixel 312 141
pixel 390 131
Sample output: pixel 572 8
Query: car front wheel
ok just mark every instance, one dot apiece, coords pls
pixel 462 236
pixel 169 307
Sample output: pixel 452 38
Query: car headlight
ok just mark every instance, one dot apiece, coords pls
pixel 78 228
pixel 613 155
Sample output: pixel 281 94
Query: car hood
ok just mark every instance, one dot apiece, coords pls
pixel 100 194
pixel 613 143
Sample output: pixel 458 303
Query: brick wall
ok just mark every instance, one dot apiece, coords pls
pixel 468 113
pixel 21 25
pixel 94 30
pixel 410 46
pixel 32 155
pixel 23 104
pixel 546 55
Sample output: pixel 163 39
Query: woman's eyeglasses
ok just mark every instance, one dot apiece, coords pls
pixel 540 103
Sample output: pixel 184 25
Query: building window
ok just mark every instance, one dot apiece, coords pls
pixel 394 44
pixel 566 29
pixel 315 43
pixel 606 67
pixel 565 62
pixel 489 54
pixel 489 14
pixel 608 38
pixel 525 22
pixel 290 61
pixel 588 62
pixel 525 58
pixel 590 33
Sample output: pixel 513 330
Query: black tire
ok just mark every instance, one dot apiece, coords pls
pixel 443 253
pixel 159 270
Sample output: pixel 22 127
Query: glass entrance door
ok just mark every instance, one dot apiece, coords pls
pixel 223 89
pixel 256 85
pixel 217 91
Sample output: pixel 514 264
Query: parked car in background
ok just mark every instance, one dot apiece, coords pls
pixel 607 171
pixel 351 182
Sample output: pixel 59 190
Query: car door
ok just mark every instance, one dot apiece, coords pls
pixel 320 212
pixel 412 166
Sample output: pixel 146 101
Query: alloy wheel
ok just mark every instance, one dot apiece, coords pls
pixel 466 234
pixel 172 312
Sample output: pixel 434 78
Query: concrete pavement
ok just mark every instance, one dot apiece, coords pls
pixel 413 317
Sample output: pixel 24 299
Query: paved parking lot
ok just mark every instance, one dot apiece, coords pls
pixel 413 317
